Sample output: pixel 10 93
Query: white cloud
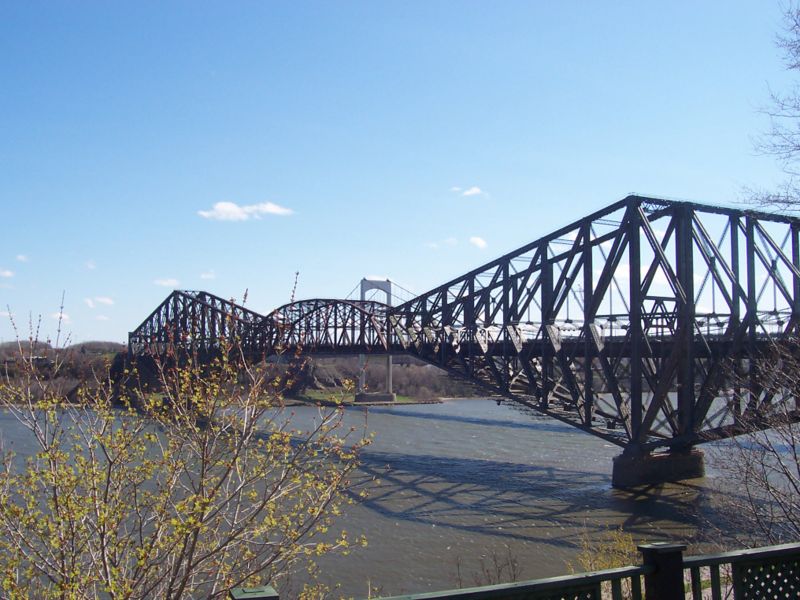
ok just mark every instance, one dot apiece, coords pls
pixel 90 264
pixel 62 316
pixel 167 282
pixel 230 211
pixel 6 273
pixel 455 188
pixel 4 314
pixel 101 318
pixel 210 274
pixel 478 242
pixel 92 302
pixel 22 258
pixel 473 191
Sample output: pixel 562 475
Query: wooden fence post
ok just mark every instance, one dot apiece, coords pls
pixel 666 581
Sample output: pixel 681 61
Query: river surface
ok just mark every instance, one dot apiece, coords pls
pixel 454 485
pixel 465 481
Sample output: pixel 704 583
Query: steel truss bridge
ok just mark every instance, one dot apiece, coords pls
pixel 629 323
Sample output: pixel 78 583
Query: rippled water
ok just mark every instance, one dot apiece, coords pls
pixel 454 483
pixel 462 480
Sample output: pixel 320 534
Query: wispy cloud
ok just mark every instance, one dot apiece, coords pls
pixel 92 302
pixel 61 316
pixel 473 191
pixel 22 257
pixel 101 318
pixel 230 211
pixel 210 274
pixel 478 242
pixel 4 314
pixel 6 273
pixel 91 265
pixel 167 282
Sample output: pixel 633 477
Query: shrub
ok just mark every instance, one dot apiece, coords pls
pixel 183 490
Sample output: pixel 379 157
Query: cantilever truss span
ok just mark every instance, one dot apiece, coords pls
pixel 629 323
pixel 202 323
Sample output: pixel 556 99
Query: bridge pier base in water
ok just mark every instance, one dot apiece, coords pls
pixel 635 469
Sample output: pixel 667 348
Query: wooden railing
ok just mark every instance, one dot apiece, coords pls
pixel 770 573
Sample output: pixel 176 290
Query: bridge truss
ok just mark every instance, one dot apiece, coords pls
pixel 638 323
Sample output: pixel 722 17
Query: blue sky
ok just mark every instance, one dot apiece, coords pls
pixel 226 146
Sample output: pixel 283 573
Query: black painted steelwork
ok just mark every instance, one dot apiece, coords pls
pixel 194 321
pixel 326 327
pixel 204 324
pixel 629 323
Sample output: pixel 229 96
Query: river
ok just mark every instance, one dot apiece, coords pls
pixel 465 481
pixel 453 485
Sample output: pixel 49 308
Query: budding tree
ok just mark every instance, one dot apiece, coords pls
pixel 186 491
pixel 782 140
pixel 760 468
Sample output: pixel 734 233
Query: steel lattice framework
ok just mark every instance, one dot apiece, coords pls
pixel 202 323
pixel 195 321
pixel 627 323
pixel 326 327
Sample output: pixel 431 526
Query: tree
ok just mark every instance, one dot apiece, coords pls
pixel 783 138
pixel 761 467
pixel 185 489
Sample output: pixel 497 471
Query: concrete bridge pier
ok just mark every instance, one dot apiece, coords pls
pixel 635 468
pixel 363 396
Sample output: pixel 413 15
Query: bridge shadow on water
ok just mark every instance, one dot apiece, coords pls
pixel 550 425
pixel 522 502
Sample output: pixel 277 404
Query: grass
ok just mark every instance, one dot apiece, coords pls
pixel 339 396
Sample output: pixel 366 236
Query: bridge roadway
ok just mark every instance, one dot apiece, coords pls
pixel 652 323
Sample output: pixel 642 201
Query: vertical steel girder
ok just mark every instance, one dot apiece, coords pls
pixel 629 323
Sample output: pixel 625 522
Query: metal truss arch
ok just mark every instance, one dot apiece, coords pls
pixel 326 326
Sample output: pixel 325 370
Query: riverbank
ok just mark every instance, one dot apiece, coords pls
pixel 340 397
